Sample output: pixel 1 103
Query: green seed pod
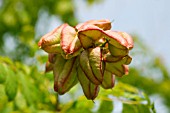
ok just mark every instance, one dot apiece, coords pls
pixel 90 90
pixel 51 41
pixel 108 80
pixel 65 74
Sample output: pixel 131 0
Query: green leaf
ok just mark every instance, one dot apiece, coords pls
pixel 3 98
pixel 25 88
pixel 6 60
pixel 81 104
pixel 20 102
pixel 11 85
pixel 3 73
pixel 127 108
pixel 153 108
pixel 138 108
pixel 106 106
pixel 125 93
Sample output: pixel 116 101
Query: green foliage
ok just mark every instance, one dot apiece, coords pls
pixel 3 73
pixel 135 109
pixel 11 85
pixel 18 19
pixel 90 2
pixel 27 89
pixel 3 97
pixel 106 106
pixel 18 92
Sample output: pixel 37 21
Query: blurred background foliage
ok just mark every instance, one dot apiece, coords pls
pixel 24 88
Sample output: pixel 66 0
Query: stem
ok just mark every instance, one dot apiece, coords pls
pixel 58 102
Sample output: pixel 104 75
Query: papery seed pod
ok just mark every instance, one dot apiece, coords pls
pixel 57 69
pixel 65 74
pixel 70 43
pixel 86 67
pixel 128 38
pixel 115 39
pixel 120 40
pixel 68 77
pixel 90 35
pixel 90 90
pixel 51 41
pixel 48 67
pixel 50 62
pixel 96 64
pixel 101 42
pixel 103 24
pixel 52 58
pixel 108 80
pixel 126 68
pixel 118 68
pixel 108 57
pixel 89 53
pixel 117 52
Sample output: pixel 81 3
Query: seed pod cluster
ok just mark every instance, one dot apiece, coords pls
pixel 90 54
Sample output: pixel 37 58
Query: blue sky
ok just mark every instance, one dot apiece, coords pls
pixel 149 19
